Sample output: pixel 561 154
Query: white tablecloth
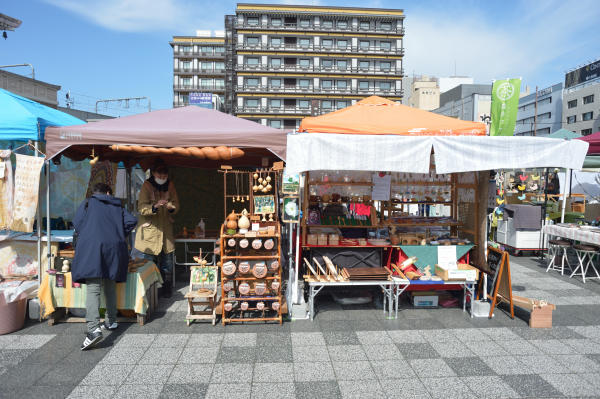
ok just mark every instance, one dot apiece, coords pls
pixel 573 233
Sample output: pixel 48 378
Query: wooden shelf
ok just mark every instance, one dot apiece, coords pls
pixel 422 203
pixel 421 183
pixel 341 202
pixel 340 184
pixel 427 224
pixel 348 226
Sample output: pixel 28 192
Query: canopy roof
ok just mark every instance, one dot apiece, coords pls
pixel 376 115
pixel 594 141
pixel 564 134
pixel 179 127
pixel 19 118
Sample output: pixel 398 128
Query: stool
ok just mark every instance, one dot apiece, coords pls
pixel 555 247
pixel 583 251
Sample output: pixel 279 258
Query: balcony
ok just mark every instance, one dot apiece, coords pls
pixel 322 90
pixel 319 68
pixel 321 48
pixel 272 110
pixel 186 70
pixel 199 87
pixel 321 28
pixel 198 53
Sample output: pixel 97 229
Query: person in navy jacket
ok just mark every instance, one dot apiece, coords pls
pixel 101 256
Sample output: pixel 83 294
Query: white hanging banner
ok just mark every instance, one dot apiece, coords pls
pixel 27 183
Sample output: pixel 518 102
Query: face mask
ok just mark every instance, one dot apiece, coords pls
pixel 160 182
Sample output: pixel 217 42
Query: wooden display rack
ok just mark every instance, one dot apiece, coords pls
pixel 236 314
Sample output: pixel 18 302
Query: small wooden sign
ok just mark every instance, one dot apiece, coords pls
pixel 255 217
pixel 226 167
pixel 278 165
pixel 499 267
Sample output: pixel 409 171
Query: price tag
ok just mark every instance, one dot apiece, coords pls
pixel 255 226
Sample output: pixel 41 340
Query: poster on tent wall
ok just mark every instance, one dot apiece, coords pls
pixel 103 172
pixel 21 257
pixel 27 184
pixel 68 186
pixel 505 105
pixel 6 191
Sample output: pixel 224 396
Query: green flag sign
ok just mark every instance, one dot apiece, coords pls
pixel 505 104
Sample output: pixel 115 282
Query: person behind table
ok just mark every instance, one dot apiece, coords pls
pixel 154 237
pixel 101 258
pixel 552 189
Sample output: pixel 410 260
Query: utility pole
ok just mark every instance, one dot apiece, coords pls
pixel 535 116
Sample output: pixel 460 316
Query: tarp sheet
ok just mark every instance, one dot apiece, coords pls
pixel 563 134
pixel 19 118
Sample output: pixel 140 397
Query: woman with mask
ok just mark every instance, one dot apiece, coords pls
pixel 157 203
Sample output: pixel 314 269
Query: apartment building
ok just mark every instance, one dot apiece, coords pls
pixel 549 112
pixel 198 66
pixel 581 96
pixel 424 93
pixel 286 62
pixel 468 102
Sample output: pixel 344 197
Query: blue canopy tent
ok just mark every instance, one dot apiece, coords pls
pixel 22 120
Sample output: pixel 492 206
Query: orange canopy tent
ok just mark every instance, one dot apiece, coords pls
pixel 376 115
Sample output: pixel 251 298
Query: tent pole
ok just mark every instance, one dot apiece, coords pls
pixel 48 215
pixel 544 210
pixel 39 222
pixel 564 203
pixel 129 200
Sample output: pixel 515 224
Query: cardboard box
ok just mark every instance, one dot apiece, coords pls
pixel 322 239
pixel 334 239
pixel 424 301
pixel 311 239
pixel 463 272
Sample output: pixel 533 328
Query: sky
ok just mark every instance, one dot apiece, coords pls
pixel 104 49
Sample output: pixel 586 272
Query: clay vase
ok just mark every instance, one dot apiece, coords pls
pixel 244 223
pixel 232 221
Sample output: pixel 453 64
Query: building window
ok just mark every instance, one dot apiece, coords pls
pixel 327 64
pixel 342 104
pixel 304 42
pixel 386 26
pixel 327 84
pixel 328 24
pixel 588 116
pixel 185 98
pixel 304 63
pixel 385 45
pixel 342 64
pixel 219 83
pixel 385 85
pixel 588 99
pixel 364 65
pixel 304 103
pixel 253 41
pixel 253 103
pixel 186 65
pixel 342 44
pixel 385 66
pixel 275 103
pixel 342 84
pixel 276 62
pixel 342 24
pixel 206 66
pixel 276 21
pixel 186 49
pixel 363 85
pixel 304 83
pixel 206 83
pixel 186 82
pixel 252 61
pixel 219 49
pixel 327 43
pixel 305 23
pixel 572 104
pixel 572 119
pixel 275 124
pixel 586 132
pixel 251 82
pixel 326 104
pixel 275 41
pixel 275 82
pixel 220 66
pixel 365 24
pixel 252 20
pixel 364 44
pixel 547 115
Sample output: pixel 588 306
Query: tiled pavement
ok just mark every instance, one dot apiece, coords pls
pixel 348 351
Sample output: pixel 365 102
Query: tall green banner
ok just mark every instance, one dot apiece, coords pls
pixel 505 104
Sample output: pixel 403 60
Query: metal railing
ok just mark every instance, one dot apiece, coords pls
pixel 321 48
pixel 198 53
pixel 312 89
pixel 319 68
pixel 186 70
pixel 311 27
pixel 280 110
pixel 202 87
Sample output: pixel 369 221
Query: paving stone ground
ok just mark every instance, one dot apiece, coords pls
pixel 347 352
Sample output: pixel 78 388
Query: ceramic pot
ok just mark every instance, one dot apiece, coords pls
pixel 275 306
pixel 227 286
pixel 232 220
pixel 256 244
pixel 244 223
pixel 366 198
pixel 260 306
pixel 335 197
pixel 269 244
pixel 326 197
pixel 274 265
pixel 260 288
pixel 275 285
pixel 345 198
pixel 244 267
pixel 259 270
pixel 314 198
pixel 229 268
pixel 228 306
pixel 244 306
pixel 244 288
pixel 244 243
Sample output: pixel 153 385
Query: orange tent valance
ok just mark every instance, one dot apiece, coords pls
pixel 376 115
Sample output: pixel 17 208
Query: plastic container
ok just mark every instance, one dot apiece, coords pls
pixel 34 309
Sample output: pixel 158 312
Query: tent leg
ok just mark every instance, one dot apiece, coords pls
pixel 564 203
pixel 39 224
pixel 129 201
pixel 48 215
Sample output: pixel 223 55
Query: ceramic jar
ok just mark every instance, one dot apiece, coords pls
pixel 229 268
pixel 244 288
pixel 244 223
pixel 269 244
pixel 244 267
pixel 259 270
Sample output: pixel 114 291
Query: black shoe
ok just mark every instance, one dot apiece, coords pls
pixel 91 338
pixel 112 327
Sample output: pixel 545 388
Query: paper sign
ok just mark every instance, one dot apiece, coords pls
pixel 381 187
pixel 447 257
pixel 462 274
pixel 255 226
pixel 27 184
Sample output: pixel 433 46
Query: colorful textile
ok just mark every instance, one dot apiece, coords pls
pixel 130 295
pixel 103 172
pixel 427 255
pixel 505 103
pixel 21 257
pixel 27 182
pixel 6 192
pixel 68 186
